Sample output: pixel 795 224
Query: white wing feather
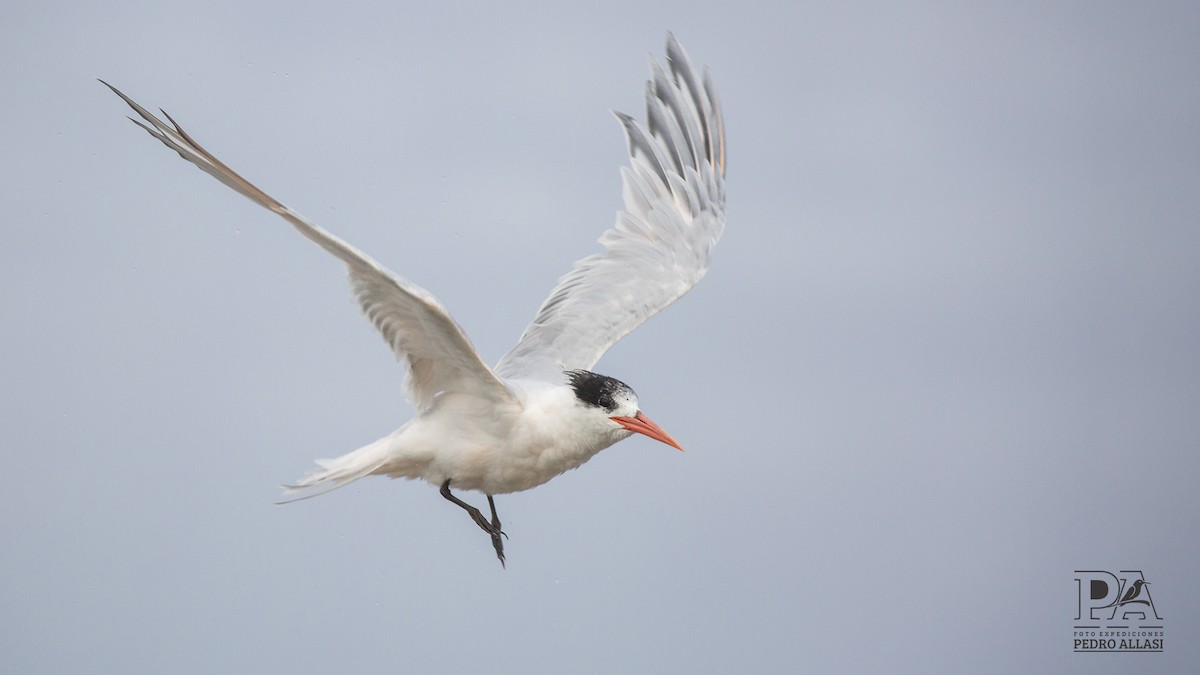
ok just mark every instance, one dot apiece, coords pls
pixel 413 323
pixel 674 194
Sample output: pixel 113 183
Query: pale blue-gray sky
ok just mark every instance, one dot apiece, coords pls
pixel 946 355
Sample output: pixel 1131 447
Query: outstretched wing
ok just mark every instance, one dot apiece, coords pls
pixel 674 193
pixel 413 323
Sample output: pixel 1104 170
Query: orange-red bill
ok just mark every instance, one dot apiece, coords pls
pixel 645 426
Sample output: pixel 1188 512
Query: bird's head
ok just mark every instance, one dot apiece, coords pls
pixel 616 401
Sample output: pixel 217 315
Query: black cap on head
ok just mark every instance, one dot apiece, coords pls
pixel 597 390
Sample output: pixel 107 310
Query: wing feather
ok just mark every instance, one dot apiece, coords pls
pixel 674 212
pixel 414 324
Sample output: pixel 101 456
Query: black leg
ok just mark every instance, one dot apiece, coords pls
pixel 492 528
pixel 495 518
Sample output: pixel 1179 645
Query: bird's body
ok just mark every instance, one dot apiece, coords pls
pixel 541 411
pixel 494 449
pixel 1131 595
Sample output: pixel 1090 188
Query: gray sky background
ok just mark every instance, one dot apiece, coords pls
pixel 946 354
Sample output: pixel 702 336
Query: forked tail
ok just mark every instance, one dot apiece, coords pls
pixel 332 474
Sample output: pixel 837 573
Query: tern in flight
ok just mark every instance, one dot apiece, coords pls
pixel 541 411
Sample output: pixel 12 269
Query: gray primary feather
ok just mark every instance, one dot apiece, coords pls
pixel 414 324
pixel 674 195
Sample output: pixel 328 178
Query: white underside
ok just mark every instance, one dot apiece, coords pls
pixel 479 445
